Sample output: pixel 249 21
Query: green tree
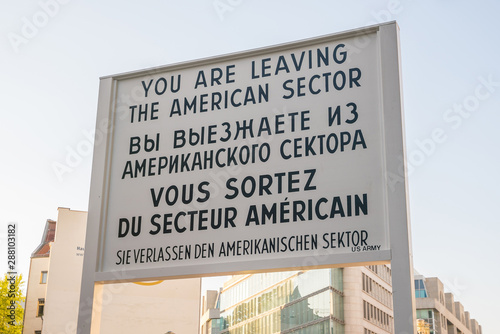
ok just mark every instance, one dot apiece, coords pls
pixel 11 304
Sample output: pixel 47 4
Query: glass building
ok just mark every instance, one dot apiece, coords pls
pixel 341 300
pixel 284 302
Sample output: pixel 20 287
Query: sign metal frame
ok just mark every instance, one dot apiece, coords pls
pixel 399 255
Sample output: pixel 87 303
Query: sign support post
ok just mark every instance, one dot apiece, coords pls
pixel 403 293
pixel 97 209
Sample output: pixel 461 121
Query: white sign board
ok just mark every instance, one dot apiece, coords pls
pixel 268 159
pixel 285 157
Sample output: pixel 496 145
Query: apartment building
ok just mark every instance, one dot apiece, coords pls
pixel 36 289
pixel 439 309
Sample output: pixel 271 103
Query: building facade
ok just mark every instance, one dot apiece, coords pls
pixel 37 282
pixel 65 271
pixel 210 313
pixel 368 300
pixel 53 292
pixel 439 310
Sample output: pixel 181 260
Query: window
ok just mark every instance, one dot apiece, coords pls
pixel 428 316
pixel 376 316
pixel 377 291
pixel 41 305
pixel 420 291
pixel 38 332
pixel 43 277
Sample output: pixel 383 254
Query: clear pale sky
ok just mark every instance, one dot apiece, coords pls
pixel 51 58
